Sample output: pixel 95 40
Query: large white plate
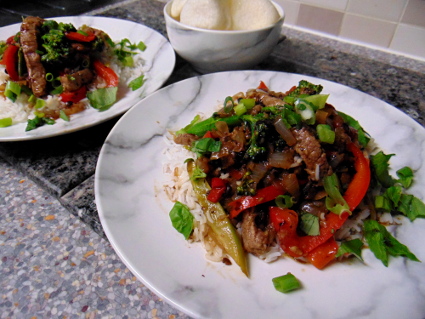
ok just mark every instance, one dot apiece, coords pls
pixel 134 213
pixel 159 59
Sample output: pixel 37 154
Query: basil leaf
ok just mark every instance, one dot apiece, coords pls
pixel 382 243
pixel 351 247
pixel 102 99
pixel 206 145
pixel 137 83
pixel 182 219
pixel 198 174
pixel 363 136
pixel 310 224
pixel 405 176
pixel 286 283
pixel 380 167
pixel 374 235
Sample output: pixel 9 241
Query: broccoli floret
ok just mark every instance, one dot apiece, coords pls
pixel 306 88
pixel 256 151
pixel 247 186
pixel 54 42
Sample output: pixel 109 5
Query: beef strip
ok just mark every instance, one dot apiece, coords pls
pixel 74 81
pixel 310 150
pixel 28 40
pixel 255 240
pixel 265 98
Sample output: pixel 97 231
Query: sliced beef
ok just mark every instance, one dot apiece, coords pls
pixel 74 81
pixel 255 240
pixel 265 98
pixel 310 150
pixel 36 71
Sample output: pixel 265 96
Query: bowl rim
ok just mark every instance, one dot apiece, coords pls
pixel 279 8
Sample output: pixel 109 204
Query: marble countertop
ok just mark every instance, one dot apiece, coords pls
pixel 55 260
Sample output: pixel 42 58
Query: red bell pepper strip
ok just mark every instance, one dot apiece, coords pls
pixel 263 86
pixel 74 96
pixel 218 187
pixel 208 134
pixel 324 254
pixel 10 60
pixel 110 77
pixel 263 195
pixel 297 246
pixel 76 36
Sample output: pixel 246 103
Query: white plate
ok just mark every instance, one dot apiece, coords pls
pixel 134 213
pixel 159 59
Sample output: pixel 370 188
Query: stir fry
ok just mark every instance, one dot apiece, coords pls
pixel 288 169
pixel 53 68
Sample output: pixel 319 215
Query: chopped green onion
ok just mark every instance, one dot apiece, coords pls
pixel 249 103
pixel 12 90
pixel 286 283
pixel 240 109
pixel 325 133
pixel 39 103
pixel 5 122
pixel 49 77
pixel 198 174
pixel 32 98
pixel 306 111
pixel 63 116
pixel 141 46
pixel 228 107
pixel 57 90
pixel 284 201
pixel 334 201
pixel 137 83
pixel 317 100
pixel 82 32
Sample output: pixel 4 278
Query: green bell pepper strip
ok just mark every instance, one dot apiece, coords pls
pixel 223 231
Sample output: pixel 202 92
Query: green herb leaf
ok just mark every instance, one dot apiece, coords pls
pixel 38 121
pixel 137 83
pixel 141 46
pixel 182 219
pixel 286 283
pixel 380 167
pixel 325 133
pixel 411 206
pixel 309 224
pixel 363 136
pixel 351 247
pixel 405 176
pixel 382 243
pixel 206 145
pixel 184 130
pixel 102 99
pixel 198 174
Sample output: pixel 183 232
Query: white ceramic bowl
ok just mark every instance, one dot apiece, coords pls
pixel 216 50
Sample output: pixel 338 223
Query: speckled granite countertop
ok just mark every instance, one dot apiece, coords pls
pixel 54 258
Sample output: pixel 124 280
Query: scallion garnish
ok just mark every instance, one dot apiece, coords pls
pixel 325 133
pixel 137 83
pixel 286 283
pixel 5 122
pixel 63 115
pixel 12 90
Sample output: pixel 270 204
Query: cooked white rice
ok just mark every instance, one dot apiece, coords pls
pixel 19 111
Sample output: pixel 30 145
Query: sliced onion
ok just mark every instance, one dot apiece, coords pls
pixel 290 183
pixel 284 132
pixel 282 159
pixel 258 172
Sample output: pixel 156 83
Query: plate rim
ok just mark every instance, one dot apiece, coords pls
pixel 65 130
